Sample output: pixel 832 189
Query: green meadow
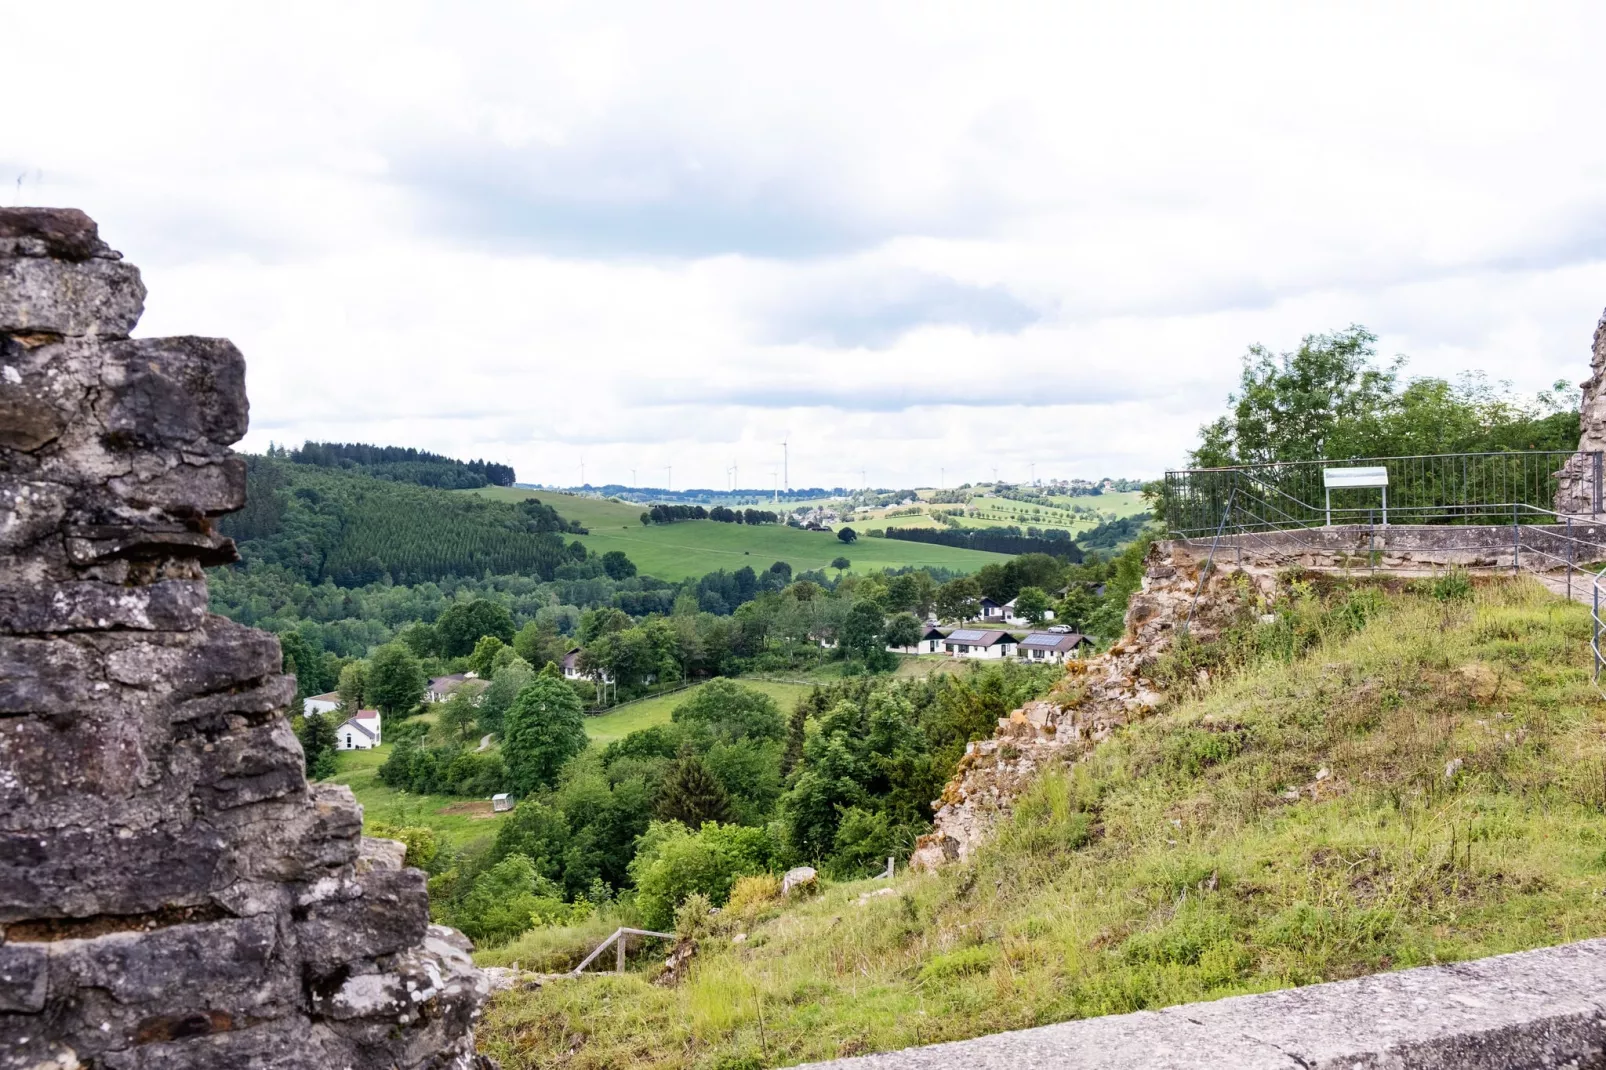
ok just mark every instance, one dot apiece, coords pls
pixel 694 547
pixel 634 716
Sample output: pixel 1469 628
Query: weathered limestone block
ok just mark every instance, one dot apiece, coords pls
pixel 173 893
pixel 57 277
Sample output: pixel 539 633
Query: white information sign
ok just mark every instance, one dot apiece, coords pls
pixel 1356 479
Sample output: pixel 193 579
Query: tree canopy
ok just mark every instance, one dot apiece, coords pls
pixel 1330 398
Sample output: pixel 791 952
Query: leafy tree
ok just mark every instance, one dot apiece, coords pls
pixel 317 736
pixel 904 630
pixel 913 591
pixel 840 563
pixel 673 863
pixel 463 623
pixel 544 729
pixel 862 635
pixel 503 900
pixel 1032 603
pixel 326 766
pixel 421 639
pixel 727 711
pixel 847 534
pixel 498 697
pixel 484 654
pixel 458 717
pixel 692 796
pixel 617 565
pixel 353 686
pixel 395 680
pixel 539 642
pixel 959 599
pixel 595 623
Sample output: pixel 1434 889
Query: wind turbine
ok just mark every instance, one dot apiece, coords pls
pixel 582 469
pixel 669 477
pixel 786 472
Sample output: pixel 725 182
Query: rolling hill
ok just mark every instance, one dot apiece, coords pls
pixel 695 547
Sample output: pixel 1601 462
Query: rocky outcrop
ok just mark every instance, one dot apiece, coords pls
pixel 1095 697
pixel 173 893
pixel 1576 493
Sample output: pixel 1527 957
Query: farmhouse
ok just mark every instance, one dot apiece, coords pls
pixel 329 700
pixel 1053 646
pixel 571 668
pixel 442 686
pixel 976 643
pixel 358 733
pixel 930 642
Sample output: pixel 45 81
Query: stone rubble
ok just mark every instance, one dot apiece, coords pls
pixel 1095 697
pixel 173 893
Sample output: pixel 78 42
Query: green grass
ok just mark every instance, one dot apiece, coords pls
pixel 635 716
pixel 692 548
pixel 457 821
pixel 1173 865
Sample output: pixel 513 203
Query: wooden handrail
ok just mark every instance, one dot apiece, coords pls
pixel 618 939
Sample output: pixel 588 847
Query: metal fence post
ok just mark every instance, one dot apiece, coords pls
pixel 1594 497
pixel 1516 540
pixel 1569 558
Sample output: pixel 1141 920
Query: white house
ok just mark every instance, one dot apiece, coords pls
pixel 976 643
pixel 990 610
pixel 358 733
pixel 329 700
pixel 1011 616
pixel 571 668
pixel 1053 646
pixel 930 643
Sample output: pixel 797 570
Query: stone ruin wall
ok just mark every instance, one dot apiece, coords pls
pixel 1577 486
pixel 173 893
pixel 1095 696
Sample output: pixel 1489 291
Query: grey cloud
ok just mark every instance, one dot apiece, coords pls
pixel 1043 383
pixel 609 203
pixel 877 311
pixel 628 192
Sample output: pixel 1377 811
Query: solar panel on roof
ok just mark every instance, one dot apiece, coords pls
pixel 1041 640
pixel 966 635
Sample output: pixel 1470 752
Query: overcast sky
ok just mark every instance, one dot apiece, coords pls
pixel 911 238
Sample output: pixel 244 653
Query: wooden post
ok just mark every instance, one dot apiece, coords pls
pixel 619 952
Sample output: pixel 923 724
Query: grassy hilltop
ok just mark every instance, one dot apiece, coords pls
pixel 1425 784
pixel 694 547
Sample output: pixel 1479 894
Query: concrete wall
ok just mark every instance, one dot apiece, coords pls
pixel 1404 546
pixel 1534 1009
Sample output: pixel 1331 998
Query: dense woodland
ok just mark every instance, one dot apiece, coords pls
pixel 733 786
pixel 993 540
pixel 401 464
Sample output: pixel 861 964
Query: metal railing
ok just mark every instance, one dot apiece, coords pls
pixel 1444 488
pixel 1265 508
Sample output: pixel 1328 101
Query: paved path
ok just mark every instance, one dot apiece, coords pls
pixel 485 742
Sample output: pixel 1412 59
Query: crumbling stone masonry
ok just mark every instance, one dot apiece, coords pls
pixel 1576 491
pixel 173 893
pixel 1094 698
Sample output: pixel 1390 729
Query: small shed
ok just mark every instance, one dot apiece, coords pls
pixel 501 802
